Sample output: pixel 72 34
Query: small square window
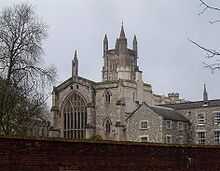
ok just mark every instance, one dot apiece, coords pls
pixel 144 124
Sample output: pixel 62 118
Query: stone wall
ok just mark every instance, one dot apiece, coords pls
pixel 154 130
pixel 18 154
pixel 209 126
pixel 178 136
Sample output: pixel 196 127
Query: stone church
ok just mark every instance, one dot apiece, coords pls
pixel 123 107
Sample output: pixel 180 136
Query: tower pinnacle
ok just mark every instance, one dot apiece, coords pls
pixel 135 45
pixel 75 56
pixel 105 38
pixel 205 94
pixel 122 33
pixel 75 65
pixel 105 45
pixel 121 42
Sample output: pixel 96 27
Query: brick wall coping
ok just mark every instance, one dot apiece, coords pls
pixel 62 140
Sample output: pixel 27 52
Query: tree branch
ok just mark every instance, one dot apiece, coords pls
pixel 210 53
pixel 207 6
pixel 212 67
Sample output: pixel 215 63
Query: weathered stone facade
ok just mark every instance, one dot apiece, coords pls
pixel 154 128
pixel 208 124
pixel 157 129
pixel 115 107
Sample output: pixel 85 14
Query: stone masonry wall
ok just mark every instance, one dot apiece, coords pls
pixel 209 126
pixel 154 130
pixel 176 133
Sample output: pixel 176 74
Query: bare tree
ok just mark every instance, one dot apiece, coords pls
pixel 210 53
pixel 23 77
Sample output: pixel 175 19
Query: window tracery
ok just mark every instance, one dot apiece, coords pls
pixel 75 117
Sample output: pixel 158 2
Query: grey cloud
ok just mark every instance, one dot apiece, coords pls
pixel 169 61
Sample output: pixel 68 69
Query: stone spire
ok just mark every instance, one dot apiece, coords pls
pixel 105 45
pixel 122 33
pixel 135 45
pixel 75 65
pixel 121 42
pixel 75 56
pixel 205 94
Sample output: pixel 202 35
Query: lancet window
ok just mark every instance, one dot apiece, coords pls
pixel 108 127
pixel 107 95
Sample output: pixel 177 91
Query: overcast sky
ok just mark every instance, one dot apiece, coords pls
pixel 168 60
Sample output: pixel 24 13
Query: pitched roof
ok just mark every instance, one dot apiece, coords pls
pixel 193 105
pixel 168 113
pixel 130 114
pixel 69 81
pixel 165 112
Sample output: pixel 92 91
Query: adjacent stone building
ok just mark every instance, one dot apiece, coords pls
pixel 122 106
pixel 204 117
pixel 157 124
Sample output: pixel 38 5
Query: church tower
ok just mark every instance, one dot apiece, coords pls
pixel 120 62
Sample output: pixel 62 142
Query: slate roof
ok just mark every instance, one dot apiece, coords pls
pixel 168 113
pixel 194 105
pixel 165 112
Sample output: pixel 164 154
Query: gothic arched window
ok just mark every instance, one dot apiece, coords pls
pixel 108 127
pixel 107 95
pixel 75 117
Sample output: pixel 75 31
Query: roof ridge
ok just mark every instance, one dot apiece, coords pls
pixel 163 107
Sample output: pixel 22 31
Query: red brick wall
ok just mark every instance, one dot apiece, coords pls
pixel 18 154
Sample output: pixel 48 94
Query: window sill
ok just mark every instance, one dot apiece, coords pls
pixel 143 128
pixel 201 124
